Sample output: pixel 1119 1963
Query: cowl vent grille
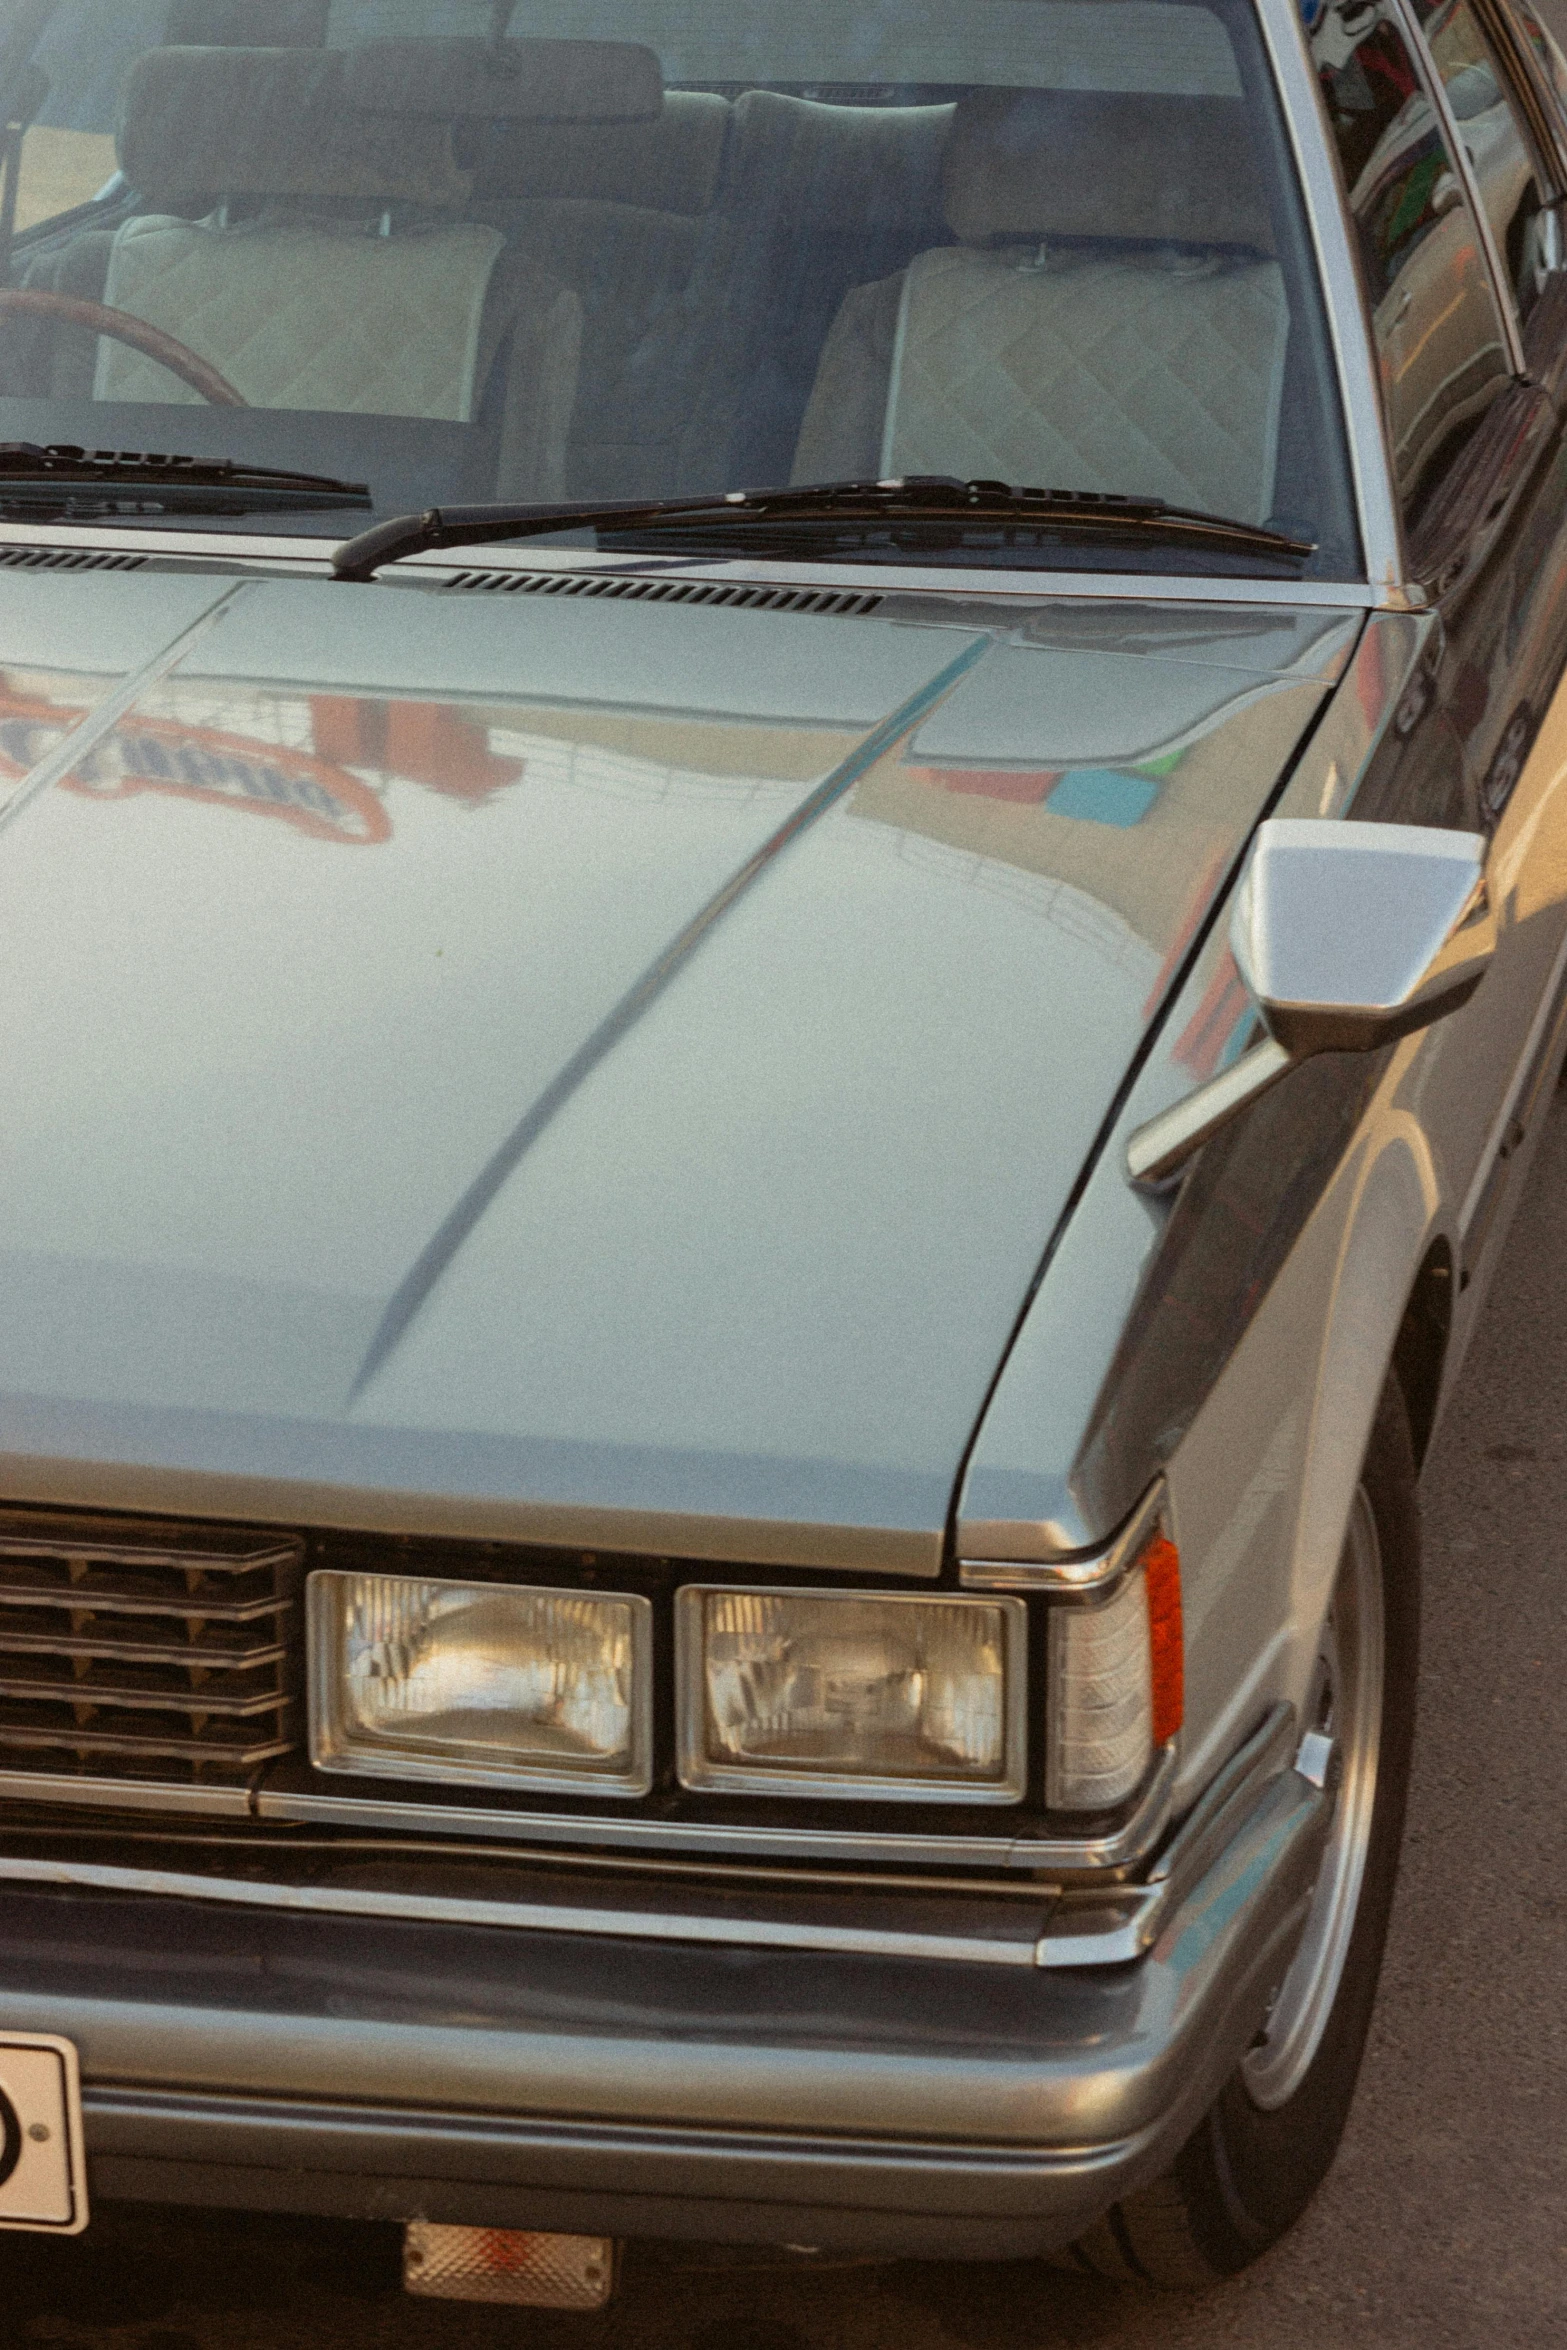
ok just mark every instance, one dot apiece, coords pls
pixel 130 1650
pixel 66 559
pixel 841 603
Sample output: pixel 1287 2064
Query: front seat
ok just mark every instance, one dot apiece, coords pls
pixel 1109 318
pixel 312 248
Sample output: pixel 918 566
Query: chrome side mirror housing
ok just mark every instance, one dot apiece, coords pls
pixel 1349 936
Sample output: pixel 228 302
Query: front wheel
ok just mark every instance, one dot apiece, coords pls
pixel 1264 2146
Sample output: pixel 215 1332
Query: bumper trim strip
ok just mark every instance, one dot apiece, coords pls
pixel 642 1925
pixel 1057 1928
pixel 1122 1848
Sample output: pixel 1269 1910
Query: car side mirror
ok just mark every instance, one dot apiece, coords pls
pixel 1348 936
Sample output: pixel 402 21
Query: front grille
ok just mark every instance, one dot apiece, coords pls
pixel 134 1650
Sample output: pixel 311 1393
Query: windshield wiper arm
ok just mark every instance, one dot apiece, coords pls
pixel 60 478
pixel 921 499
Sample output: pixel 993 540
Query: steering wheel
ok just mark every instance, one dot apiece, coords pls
pixel 122 327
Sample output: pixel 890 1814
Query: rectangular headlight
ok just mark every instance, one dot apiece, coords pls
pixel 852 1694
pixel 491 1682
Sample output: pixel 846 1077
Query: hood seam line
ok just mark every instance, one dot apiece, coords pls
pixel 430 1265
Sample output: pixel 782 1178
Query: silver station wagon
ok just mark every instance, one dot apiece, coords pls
pixel 783 898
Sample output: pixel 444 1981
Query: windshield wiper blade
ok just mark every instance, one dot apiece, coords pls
pixel 62 479
pixel 920 501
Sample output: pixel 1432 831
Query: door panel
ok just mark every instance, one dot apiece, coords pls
pixel 1483 484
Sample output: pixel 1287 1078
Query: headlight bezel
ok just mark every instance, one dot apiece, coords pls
pixel 330 1743
pixel 699 1774
pixel 667 1723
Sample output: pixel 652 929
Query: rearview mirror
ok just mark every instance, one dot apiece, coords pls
pixel 1348 936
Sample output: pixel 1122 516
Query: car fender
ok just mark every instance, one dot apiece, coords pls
pixel 1262 1484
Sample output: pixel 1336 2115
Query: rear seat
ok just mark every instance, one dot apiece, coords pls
pixel 708 247
pixel 281 285
pixel 815 199
pixel 710 250
pixel 612 212
pixel 1121 331
pixel 618 215
pixel 256 246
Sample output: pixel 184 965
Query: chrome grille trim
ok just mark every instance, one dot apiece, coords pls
pixel 85 1791
pixel 144 1655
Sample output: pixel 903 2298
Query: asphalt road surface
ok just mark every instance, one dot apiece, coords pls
pixel 1445 2221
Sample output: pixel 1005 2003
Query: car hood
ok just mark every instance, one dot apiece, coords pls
pixel 598 1070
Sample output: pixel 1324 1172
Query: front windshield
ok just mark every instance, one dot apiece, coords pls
pixel 571 250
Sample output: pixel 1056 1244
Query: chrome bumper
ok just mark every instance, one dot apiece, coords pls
pixel 394 2069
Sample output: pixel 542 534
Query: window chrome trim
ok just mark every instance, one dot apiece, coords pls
pixel 312 559
pixel 1119 1848
pixel 1349 325
pixel 1530 83
pixel 1436 91
pixel 698 1771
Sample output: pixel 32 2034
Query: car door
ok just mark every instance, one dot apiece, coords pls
pixel 1453 186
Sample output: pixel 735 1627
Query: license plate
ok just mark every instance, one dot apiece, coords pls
pixel 43 2174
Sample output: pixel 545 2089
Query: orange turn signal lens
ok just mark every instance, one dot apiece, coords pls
pixel 1161 1564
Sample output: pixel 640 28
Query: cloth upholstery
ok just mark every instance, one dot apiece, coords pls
pixel 1122 328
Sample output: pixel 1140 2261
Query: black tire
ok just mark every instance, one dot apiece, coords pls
pixel 1245 2176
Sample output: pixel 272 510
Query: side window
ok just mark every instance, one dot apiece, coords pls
pixel 1440 341
pixel 1499 153
pixel 60 169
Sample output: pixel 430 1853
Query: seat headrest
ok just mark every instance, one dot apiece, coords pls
pixel 364 125
pixel 247 24
pixel 1024 164
pixel 200 123
pixel 671 164
pixel 507 81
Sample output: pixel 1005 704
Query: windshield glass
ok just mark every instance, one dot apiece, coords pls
pixel 573 250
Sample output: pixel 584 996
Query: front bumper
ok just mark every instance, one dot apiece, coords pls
pixel 393 2069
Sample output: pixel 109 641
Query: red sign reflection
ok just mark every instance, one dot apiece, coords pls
pixel 310 787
